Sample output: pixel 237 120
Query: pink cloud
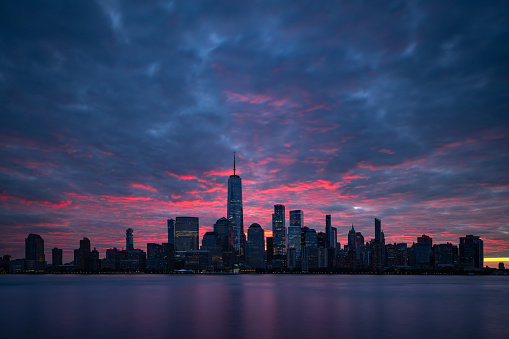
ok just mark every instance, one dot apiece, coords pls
pixel 385 150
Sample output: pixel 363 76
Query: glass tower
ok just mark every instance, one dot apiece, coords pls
pixel 234 210
pixel 279 230
pixel 186 235
pixel 294 231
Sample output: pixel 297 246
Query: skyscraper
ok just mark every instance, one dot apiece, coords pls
pixel 471 252
pixel 186 235
pixel 171 231
pixel 223 227
pixel 56 257
pixel 84 255
pixel 234 210
pixel 328 231
pixel 129 244
pixel 34 253
pixel 378 246
pixel 310 250
pixel 294 232
pixel 255 252
pixel 378 229
pixel 279 231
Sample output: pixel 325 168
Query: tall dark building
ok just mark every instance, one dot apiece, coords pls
pixel 328 235
pixel 270 249
pixel 234 210
pixel 310 250
pixel 378 257
pixel 223 227
pixel 378 229
pixel 129 243
pixel 212 242
pixel 34 253
pixel 471 252
pixel 159 257
pixel 56 257
pixel 279 231
pixel 186 235
pixel 294 232
pixel 425 240
pixel 445 255
pixel 352 242
pixel 255 252
pixel 171 231
pixel 84 255
pixel 169 247
pixel 422 251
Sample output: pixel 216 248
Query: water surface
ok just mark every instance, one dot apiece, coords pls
pixel 253 306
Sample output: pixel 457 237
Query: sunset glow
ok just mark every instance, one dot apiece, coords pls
pixel 116 121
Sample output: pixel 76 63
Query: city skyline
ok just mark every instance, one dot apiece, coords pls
pixel 118 115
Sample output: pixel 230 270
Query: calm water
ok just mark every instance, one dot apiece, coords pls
pixel 253 306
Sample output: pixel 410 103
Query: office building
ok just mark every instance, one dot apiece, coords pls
pixel 35 259
pixel 328 231
pixel 234 211
pixel 270 250
pixel 310 250
pixel 129 242
pixel 294 232
pixel 279 231
pixel 212 242
pixel 223 228
pixel 186 235
pixel 471 252
pixel 171 231
pixel 83 255
pixel 56 257
pixel 198 260
pixel 255 252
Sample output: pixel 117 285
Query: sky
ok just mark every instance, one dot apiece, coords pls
pixel 117 114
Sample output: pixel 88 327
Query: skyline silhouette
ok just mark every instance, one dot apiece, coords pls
pixel 118 115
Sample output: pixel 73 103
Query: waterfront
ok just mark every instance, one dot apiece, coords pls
pixel 253 306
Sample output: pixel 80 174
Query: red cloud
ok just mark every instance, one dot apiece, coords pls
pixel 385 150
pixel 183 177
pixel 146 187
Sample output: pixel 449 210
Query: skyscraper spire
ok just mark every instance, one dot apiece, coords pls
pixel 234 210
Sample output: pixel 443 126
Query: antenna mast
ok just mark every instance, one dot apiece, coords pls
pixel 233 163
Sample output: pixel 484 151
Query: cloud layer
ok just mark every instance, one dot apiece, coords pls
pixel 119 114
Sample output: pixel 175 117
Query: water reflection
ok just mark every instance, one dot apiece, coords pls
pixel 253 306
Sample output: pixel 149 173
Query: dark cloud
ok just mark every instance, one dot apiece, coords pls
pixel 119 114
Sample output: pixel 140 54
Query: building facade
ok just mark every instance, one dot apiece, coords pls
pixel 294 232
pixel 279 231
pixel 186 235
pixel 234 211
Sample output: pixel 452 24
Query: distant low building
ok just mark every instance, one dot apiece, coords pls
pixel 198 260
